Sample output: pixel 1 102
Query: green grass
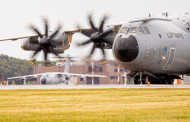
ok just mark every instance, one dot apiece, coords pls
pixel 135 105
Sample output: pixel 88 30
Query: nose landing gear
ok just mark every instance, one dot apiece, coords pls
pixel 138 80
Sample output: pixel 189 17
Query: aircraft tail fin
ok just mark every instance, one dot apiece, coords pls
pixel 67 64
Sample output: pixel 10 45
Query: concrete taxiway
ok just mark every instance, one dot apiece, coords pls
pixel 18 87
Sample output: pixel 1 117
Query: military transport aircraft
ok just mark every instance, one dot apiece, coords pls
pixel 54 77
pixel 155 46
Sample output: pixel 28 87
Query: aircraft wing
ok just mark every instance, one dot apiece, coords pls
pixel 23 77
pixel 88 29
pixel 21 37
pixel 86 75
pixel 71 31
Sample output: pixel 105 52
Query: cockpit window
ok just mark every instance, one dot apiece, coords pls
pixel 133 30
pixel 141 30
pixel 124 30
pixel 146 30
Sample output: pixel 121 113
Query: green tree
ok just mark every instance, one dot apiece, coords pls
pixel 12 67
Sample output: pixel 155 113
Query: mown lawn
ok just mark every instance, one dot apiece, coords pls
pixel 135 105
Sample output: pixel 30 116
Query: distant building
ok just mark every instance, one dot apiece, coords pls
pixel 110 70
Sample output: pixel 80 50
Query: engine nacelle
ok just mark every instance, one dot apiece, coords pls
pixel 61 42
pixel 26 45
pixel 35 78
pixel 82 78
pixel 43 81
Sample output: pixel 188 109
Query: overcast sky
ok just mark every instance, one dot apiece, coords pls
pixel 15 14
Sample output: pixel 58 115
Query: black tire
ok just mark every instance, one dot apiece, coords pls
pixel 160 81
pixel 137 80
pixel 151 80
pixel 144 80
pixel 171 81
pixel 167 81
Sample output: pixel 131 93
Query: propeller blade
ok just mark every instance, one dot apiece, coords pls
pixel 106 32
pixel 45 54
pixel 55 33
pixel 46 26
pixel 102 24
pixel 90 55
pixel 38 50
pixel 84 43
pixel 35 30
pixel 91 23
pixel 102 48
pixel 53 51
pixel 86 33
pixel 93 48
pixel 104 60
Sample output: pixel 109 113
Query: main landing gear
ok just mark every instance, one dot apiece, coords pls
pixel 153 80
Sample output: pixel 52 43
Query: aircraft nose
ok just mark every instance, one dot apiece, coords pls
pixel 43 81
pixel 126 49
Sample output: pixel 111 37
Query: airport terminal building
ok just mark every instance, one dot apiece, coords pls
pixel 110 70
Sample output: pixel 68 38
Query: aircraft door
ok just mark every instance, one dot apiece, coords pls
pixel 170 59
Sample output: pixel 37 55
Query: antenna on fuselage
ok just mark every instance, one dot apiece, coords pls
pixel 67 64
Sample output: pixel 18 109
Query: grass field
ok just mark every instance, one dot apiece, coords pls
pixel 135 105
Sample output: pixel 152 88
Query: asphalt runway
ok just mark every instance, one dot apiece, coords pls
pixel 18 87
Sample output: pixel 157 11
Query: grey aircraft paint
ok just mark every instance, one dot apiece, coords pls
pixel 164 51
pixel 57 77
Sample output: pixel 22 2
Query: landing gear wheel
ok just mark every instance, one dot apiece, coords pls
pixel 137 80
pixel 161 81
pixel 171 81
pixel 167 81
pixel 144 80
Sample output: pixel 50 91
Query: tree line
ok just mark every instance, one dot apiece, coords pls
pixel 12 67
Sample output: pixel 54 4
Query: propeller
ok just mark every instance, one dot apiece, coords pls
pixel 97 37
pixel 46 43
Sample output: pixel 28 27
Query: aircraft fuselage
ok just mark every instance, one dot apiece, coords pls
pixel 165 50
pixel 53 78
